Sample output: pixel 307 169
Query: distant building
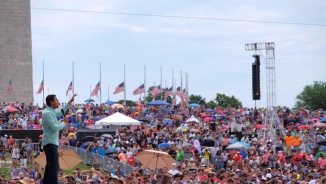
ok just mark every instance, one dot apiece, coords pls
pixel 16 51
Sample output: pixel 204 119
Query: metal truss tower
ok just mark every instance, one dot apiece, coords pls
pixel 272 122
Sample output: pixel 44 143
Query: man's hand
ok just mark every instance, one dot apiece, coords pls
pixel 73 98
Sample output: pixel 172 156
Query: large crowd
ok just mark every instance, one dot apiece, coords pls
pixel 264 155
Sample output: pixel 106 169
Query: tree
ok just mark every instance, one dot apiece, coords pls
pixel 198 99
pixel 312 97
pixel 128 102
pixel 224 101
pixel 149 96
pixel 211 104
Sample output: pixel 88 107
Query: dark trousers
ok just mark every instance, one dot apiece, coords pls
pixel 52 164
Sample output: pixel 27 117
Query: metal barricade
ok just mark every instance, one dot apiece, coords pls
pixel 20 142
pixel 107 164
pixel 100 159
pixel 82 154
pixel 89 158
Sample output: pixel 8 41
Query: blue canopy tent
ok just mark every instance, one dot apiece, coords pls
pixel 164 145
pixel 89 100
pixel 158 103
pixel 209 110
pixel 168 121
pixel 194 105
pixel 96 118
pixel 109 102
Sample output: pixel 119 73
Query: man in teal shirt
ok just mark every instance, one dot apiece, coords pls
pixel 50 142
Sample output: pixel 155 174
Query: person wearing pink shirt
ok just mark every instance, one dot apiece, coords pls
pixel 322 162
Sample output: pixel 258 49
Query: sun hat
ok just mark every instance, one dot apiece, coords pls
pixel 25 180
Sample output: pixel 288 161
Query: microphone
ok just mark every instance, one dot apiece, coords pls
pixel 63 112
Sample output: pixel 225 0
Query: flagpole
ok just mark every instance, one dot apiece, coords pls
pixel 181 89
pixel 100 86
pixel 181 81
pixel 165 84
pixel 161 83
pixel 108 92
pixel 124 81
pixel 145 84
pixel 153 97
pixel 187 83
pixel 48 90
pixel 73 78
pixel 140 93
pixel 90 93
pixel 172 80
pixel 43 83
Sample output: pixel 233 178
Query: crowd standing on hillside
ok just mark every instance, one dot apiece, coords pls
pixel 297 157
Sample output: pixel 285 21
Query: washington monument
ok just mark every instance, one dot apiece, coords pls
pixel 16 51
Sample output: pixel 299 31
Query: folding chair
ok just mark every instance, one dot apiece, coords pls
pixel 7 166
pixel 2 165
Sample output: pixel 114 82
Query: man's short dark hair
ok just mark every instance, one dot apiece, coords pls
pixel 49 99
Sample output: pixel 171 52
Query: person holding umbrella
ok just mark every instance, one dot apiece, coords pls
pixel 50 142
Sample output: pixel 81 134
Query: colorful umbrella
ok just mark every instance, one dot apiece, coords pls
pixel 194 130
pixel 194 105
pixel 180 129
pixel 155 159
pixel 319 125
pixel 119 106
pixel 164 145
pixel 303 127
pixel 68 159
pixel 209 110
pixel 15 172
pixel 259 126
pixel 89 100
pixel 11 109
pixel 314 120
pixel 208 119
pixel 203 115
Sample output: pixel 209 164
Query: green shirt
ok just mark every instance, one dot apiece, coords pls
pixel 319 154
pixel 50 125
pixel 180 155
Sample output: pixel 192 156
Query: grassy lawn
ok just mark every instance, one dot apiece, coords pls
pixel 81 166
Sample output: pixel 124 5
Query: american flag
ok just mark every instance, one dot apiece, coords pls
pixel 96 89
pixel 174 101
pixel 178 92
pixel 41 88
pixel 69 88
pixel 156 91
pixel 185 96
pixel 9 88
pixel 119 88
pixel 139 90
pixel 138 102
pixel 168 93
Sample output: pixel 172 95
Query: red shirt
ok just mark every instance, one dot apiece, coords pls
pixel 294 158
pixel 131 161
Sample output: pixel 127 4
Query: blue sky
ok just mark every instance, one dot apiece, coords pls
pixel 212 52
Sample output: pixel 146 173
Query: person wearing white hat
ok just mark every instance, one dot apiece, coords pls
pixel 173 171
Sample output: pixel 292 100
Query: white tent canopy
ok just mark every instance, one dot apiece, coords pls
pixel 236 145
pixel 117 119
pixel 192 118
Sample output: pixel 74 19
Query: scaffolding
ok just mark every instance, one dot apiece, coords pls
pixel 271 120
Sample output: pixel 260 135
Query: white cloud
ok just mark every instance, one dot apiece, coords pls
pixel 138 29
